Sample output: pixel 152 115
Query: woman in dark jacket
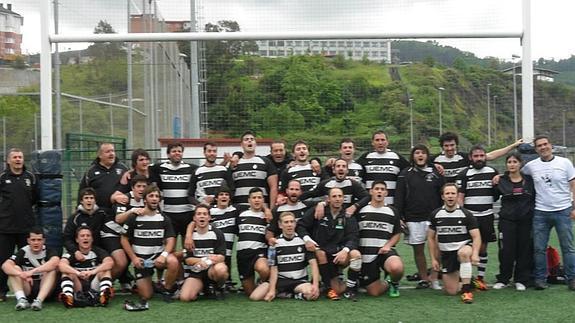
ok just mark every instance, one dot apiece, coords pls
pixel 515 217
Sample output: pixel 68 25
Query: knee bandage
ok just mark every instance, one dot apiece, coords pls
pixel 465 270
pixel 355 264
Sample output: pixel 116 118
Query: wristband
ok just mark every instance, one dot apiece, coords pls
pixel 164 254
pixel 209 262
pixel 346 249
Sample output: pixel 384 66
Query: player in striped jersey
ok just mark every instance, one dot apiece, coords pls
pixel 454 233
pixel 354 194
pixel 382 164
pixel 252 247
pixel 223 217
pixel 174 178
pixel 254 171
pixel 205 264
pixel 477 194
pixel 347 153
pixel 149 240
pixel 302 169
pixel 288 273
pixel 32 271
pixel 209 177
pixel 140 166
pixel 454 162
pixel 334 239
pixel 379 232
pixel 293 205
pixel 86 276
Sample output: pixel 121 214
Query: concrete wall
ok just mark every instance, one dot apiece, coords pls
pixel 11 79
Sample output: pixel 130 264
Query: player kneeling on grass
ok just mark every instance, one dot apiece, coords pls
pixel 288 274
pixel 334 239
pixel 32 272
pixel 149 240
pixel 455 234
pixel 379 232
pixel 86 282
pixel 205 264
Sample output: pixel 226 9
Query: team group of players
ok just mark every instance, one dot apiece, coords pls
pixel 287 215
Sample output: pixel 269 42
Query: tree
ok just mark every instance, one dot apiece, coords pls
pixel 107 50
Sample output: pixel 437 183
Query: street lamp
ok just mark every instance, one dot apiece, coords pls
pixel 411 120
pixel 515 126
pixel 494 118
pixel 439 90
pixel 488 116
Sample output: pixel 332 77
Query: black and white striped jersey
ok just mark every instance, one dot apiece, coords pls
pixel 304 174
pixel 174 181
pixel 297 209
pixel 377 225
pixel 477 186
pixel 112 229
pixel 292 258
pixel 385 167
pixel 209 243
pixel 355 171
pixel 452 228
pixel 452 166
pixel 28 260
pixel 353 191
pixel 92 259
pixel 225 220
pixel 251 230
pixel 147 234
pixel 250 173
pixel 208 179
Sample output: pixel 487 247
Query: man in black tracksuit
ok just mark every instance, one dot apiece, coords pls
pixel 417 195
pixel 18 196
pixel 104 176
pixel 334 238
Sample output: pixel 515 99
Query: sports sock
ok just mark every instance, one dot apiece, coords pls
pixel 326 274
pixel 67 286
pixel 352 277
pixel 482 266
pixel 105 283
pixel 19 294
pixel 466 288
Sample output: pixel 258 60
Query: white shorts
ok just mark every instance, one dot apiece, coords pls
pixel 417 232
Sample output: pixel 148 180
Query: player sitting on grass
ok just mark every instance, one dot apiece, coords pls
pixel 86 282
pixel 454 236
pixel 32 272
pixel 205 264
pixel 288 274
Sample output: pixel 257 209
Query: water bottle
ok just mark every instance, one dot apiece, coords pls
pixel 271 255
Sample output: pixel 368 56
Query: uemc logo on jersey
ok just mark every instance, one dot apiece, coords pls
pixel 210 182
pixel 175 178
pixel 381 169
pixel 480 184
pixel 199 252
pixel 253 228
pixel 249 174
pixel 374 225
pixel 224 223
pixel 290 259
pixel 457 229
pixel 143 233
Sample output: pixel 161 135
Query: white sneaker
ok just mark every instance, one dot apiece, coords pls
pixel 22 304
pixel 435 285
pixel 520 287
pixel 500 286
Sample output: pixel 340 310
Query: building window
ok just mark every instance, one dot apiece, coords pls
pixel 332 43
pixel 273 53
pixel 298 42
pixel 366 44
pixel 272 43
pixel 280 43
pixel 263 53
pixel 357 53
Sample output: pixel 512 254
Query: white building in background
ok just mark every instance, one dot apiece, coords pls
pixel 357 49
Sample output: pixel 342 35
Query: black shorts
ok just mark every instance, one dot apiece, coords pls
pixel 202 275
pixel 111 244
pixel 180 221
pixel 371 271
pixel 486 228
pixel 287 285
pixel 143 272
pixel 449 262
pixel 246 261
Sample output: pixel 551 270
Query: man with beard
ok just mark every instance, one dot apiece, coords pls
pixel 301 170
pixel 149 240
pixel 416 196
pixel 293 205
pixel 89 277
pixel 209 177
pixel 279 156
pixel 347 153
pixel 104 176
pixel 477 194
pixel 174 178
pixel 254 171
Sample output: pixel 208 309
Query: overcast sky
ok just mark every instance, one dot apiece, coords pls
pixel 552 23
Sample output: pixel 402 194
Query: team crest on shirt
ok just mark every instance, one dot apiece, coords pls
pixel 118 171
pixel 96 173
pixel 28 183
pixel 391 162
pixel 255 166
pixel 299 249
